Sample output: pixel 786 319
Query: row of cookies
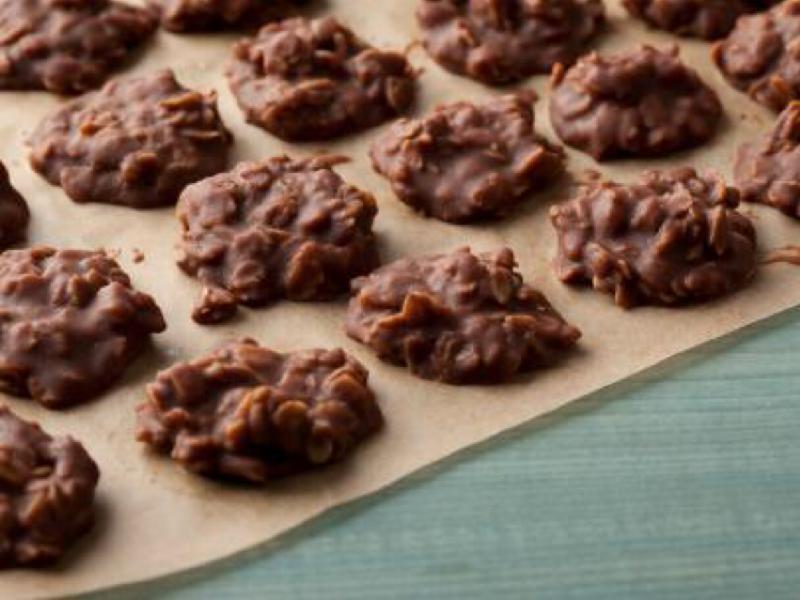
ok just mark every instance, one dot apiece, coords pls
pixel 71 47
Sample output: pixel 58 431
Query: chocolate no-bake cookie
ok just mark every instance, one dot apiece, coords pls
pixel 279 228
pixel 458 318
pixel 67 46
pixel 707 19
pixel 70 323
pixel 249 413
pixel 502 41
pixel 46 493
pixel 639 103
pixel 137 142
pixel 768 169
pixel 674 237
pixel 184 16
pixel 14 213
pixel 315 80
pixel 465 162
pixel 762 55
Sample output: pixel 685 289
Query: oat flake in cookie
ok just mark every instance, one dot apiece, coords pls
pixel 186 16
pixel 502 41
pixel 137 142
pixel 768 169
pixel 67 46
pixel 70 323
pixel 466 162
pixel 315 80
pixel 279 228
pixel 674 237
pixel 762 55
pixel 707 19
pixel 14 213
pixel 459 318
pixel 247 412
pixel 46 493
pixel 638 103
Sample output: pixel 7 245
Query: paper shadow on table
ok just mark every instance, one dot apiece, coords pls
pixel 583 406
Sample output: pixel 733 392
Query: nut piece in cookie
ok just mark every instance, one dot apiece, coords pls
pixel 315 80
pixel 70 323
pixel 14 213
pixel 768 169
pixel 673 238
pixel 706 19
pixel 46 493
pixel 249 413
pixel 279 228
pixel 761 56
pixel 502 41
pixel 638 103
pixel 466 162
pixel 67 46
pixel 186 16
pixel 459 318
pixel 137 142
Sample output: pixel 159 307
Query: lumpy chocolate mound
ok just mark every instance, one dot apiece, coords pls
pixel 67 46
pixel 249 413
pixel 466 162
pixel 14 213
pixel 502 41
pixel 673 238
pixel 707 19
pixel 185 16
pixel 315 80
pixel 761 55
pixel 768 169
pixel 70 323
pixel 639 103
pixel 137 142
pixel 46 493
pixel 457 318
pixel 279 228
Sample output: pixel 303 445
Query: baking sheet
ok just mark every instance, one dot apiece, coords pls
pixel 156 519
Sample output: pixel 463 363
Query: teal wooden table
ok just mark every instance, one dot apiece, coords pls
pixel 683 483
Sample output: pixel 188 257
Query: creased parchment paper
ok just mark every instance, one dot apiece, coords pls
pixel 156 519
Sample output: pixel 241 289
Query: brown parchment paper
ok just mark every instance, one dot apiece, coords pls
pixel 155 519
